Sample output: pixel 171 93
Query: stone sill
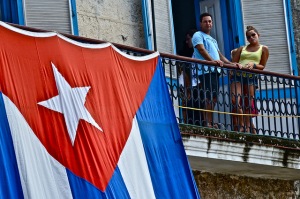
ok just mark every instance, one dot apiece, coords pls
pixel 240 137
pixel 217 151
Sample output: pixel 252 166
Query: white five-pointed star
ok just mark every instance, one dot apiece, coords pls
pixel 69 102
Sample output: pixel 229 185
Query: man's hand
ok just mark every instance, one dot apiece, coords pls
pixel 220 62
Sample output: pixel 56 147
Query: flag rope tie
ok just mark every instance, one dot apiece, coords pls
pixel 233 113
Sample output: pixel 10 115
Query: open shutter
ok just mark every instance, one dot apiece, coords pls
pixel 48 15
pixel 268 17
pixel 164 29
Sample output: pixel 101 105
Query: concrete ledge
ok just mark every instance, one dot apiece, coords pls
pixel 241 154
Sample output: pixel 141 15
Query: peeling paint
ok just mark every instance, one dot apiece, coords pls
pixel 289 156
pixel 290 149
pixel 247 149
pixel 285 158
pixel 208 144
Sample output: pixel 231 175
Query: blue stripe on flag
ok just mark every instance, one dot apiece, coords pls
pixel 168 165
pixel 83 189
pixel 10 184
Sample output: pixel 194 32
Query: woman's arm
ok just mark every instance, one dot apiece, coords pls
pixel 236 57
pixel 264 58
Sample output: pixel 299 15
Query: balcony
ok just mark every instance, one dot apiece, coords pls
pixel 273 108
pixel 272 153
pixel 270 149
pixel 273 112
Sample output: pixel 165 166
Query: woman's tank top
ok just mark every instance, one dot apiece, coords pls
pixel 253 57
pixel 250 57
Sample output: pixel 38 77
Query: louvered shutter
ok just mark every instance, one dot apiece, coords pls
pixel 268 17
pixel 164 29
pixel 49 15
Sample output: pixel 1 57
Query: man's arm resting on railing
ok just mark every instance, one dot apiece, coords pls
pixel 205 54
pixel 224 59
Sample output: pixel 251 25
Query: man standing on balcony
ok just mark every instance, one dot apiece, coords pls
pixel 206 48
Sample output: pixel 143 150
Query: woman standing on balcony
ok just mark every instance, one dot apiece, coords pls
pixel 250 56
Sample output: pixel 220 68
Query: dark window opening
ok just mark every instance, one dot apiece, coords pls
pixel 184 19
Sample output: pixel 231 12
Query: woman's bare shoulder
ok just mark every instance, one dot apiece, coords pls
pixel 265 48
pixel 239 49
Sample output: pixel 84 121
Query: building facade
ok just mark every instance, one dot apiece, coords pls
pixel 130 22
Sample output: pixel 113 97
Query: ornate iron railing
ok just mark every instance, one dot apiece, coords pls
pixel 274 110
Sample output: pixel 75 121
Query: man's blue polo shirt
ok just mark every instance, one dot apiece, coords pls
pixel 211 46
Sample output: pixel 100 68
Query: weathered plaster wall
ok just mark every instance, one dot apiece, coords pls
pixel 222 170
pixel 295 6
pixel 216 185
pixel 119 21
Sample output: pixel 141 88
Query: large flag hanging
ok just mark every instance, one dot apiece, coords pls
pixel 86 121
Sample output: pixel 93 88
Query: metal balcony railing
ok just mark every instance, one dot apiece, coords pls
pixel 272 110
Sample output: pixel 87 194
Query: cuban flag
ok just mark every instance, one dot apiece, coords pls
pixel 86 121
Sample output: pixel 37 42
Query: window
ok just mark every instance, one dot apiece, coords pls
pixel 272 28
pixel 51 15
pixel 163 27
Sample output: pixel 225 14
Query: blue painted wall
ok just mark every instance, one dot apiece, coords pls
pixel 9 11
pixel 225 27
pixel 172 24
pixel 74 17
pixel 20 12
pixel 197 13
pixel 291 36
pixel 147 25
pixel 238 20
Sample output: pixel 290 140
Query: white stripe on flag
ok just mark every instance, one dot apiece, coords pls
pixel 134 168
pixel 41 175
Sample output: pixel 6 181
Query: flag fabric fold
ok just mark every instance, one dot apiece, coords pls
pixel 86 121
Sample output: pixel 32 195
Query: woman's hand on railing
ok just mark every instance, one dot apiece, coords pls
pixel 250 65
pixel 238 65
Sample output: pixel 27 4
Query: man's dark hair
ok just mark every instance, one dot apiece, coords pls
pixel 205 14
pixel 191 32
